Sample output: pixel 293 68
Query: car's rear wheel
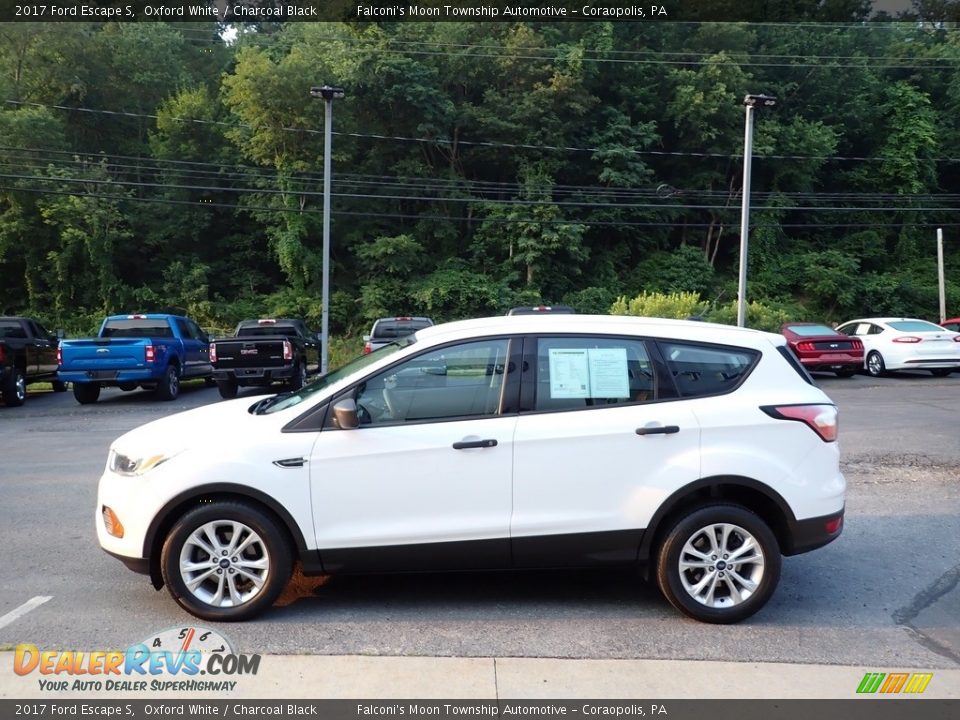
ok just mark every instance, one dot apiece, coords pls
pixel 226 561
pixel 86 393
pixel 14 388
pixel 227 388
pixel 299 378
pixel 941 372
pixel 719 564
pixel 875 364
pixel 169 386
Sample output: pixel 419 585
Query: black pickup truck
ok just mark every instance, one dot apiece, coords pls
pixel 265 351
pixel 28 354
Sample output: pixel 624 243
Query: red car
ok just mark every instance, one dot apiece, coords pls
pixel 951 324
pixel 820 348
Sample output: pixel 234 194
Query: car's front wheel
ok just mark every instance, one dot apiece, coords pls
pixel 719 564
pixel 226 561
pixel 875 365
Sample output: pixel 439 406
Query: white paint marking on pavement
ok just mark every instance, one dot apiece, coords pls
pixel 24 609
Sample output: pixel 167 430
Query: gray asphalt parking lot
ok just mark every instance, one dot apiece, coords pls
pixel 885 594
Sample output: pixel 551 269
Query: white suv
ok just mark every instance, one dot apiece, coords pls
pixel 702 452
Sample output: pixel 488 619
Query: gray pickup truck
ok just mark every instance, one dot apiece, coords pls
pixel 386 330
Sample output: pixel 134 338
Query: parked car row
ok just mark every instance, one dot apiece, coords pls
pixel 155 352
pixel 877 346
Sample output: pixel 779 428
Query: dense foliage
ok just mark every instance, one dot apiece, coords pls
pixel 476 166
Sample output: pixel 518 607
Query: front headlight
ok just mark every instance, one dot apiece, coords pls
pixel 133 466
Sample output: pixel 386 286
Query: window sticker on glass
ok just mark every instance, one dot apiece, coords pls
pixel 569 373
pixel 609 376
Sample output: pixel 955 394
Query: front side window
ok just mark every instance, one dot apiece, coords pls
pixel 459 381
pixel 707 369
pixel 581 372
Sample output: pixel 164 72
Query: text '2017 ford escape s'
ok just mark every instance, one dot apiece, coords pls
pixel 700 451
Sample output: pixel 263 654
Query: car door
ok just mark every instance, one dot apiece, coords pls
pixel 868 332
pixel 424 482
pixel 46 350
pixel 599 445
pixel 202 353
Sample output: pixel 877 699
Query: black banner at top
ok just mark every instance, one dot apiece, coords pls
pixel 244 11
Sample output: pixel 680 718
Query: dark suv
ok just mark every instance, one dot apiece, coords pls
pixel 386 330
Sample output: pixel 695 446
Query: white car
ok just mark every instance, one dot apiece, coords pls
pixel 905 344
pixel 699 452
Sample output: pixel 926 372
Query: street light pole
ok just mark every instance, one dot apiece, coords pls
pixel 749 102
pixel 328 94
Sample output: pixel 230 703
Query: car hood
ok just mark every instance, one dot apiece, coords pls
pixel 227 422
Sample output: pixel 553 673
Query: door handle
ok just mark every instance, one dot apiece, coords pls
pixel 466 444
pixel 662 430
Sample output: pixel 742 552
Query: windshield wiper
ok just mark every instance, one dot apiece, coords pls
pixel 262 406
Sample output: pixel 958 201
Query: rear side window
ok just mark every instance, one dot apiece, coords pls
pixel 580 372
pixel 700 370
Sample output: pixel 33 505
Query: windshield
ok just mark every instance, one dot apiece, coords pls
pixel 915 326
pixel 287 400
pixel 811 330
pixel 265 330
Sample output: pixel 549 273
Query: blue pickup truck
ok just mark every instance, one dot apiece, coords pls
pixel 150 351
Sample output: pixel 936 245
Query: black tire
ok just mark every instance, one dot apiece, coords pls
pixel 86 393
pixel 59 386
pixel 693 529
pixel 270 544
pixel 845 373
pixel 299 377
pixel 228 388
pixel 14 388
pixel 941 372
pixel 875 365
pixel 169 386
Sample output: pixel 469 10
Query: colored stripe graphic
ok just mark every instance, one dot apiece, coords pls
pixel 894 683
pixel 870 682
pixel 918 682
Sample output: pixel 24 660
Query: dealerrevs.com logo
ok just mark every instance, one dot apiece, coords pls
pixel 169 661
pixel 894 683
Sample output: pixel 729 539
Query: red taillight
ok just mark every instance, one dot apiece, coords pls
pixel 287 350
pixel 367 348
pixel 822 419
pixel 831 527
pixel 805 346
pixel 907 339
pixel 3 355
pixel 856 344
pixel 213 352
pixel 149 354
pixel 957 338
pixel 59 356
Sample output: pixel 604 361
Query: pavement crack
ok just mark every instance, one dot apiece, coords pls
pixel 906 616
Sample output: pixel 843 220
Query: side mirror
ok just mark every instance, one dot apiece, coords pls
pixel 345 415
